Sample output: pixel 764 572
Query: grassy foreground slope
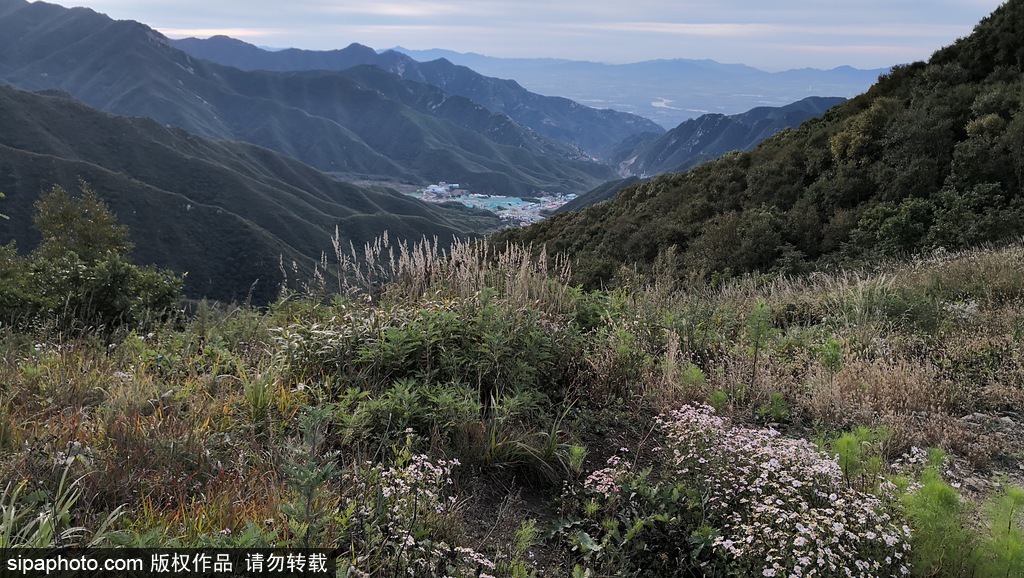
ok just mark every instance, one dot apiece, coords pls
pixel 479 416
pixel 931 156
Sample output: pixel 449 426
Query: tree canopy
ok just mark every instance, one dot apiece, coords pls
pixel 80 275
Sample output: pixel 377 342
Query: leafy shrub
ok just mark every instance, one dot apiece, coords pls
pixel 490 347
pixel 718 399
pixel 107 294
pixel 630 524
pixel 79 277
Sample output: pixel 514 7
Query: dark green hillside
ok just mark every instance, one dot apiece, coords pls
pixel 347 128
pixel 712 135
pixel 931 156
pixel 697 141
pixel 593 130
pixel 233 52
pixel 599 194
pixel 487 153
pixel 224 212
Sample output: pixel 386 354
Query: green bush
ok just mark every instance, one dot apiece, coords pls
pixel 1001 551
pixel 941 542
pixel 80 278
pixel 628 524
pixel 860 455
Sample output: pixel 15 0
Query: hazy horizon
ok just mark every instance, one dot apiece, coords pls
pixel 786 35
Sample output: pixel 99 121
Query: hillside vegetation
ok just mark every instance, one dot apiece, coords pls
pixel 710 136
pixel 228 214
pixel 931 156
pixel 755 428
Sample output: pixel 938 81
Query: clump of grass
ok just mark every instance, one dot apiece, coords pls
pixel 39 519
pixel 1001 551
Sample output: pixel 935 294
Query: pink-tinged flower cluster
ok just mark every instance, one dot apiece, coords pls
pixel 606 481
pixel 418 487
pixel 782 506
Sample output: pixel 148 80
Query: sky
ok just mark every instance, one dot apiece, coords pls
pixel 768 34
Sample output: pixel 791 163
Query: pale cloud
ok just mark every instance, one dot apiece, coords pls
pixel 396 9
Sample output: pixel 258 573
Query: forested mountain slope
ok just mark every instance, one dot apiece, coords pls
pixel 711 135
pixel 227 213
pixel 697 141
pixel 593 130
pixel 667 91
pixel 931 156
pixel 324 119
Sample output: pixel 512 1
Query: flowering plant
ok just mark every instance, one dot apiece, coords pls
pixel 781 507
pixel 407 521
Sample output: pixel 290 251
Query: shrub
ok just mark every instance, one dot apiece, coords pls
pixel 631 524
pixel 859 454
pixel 941 541
pixel 80 277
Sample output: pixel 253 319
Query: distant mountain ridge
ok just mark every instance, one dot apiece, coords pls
pixel 697 141
pixel 712 135
pixel 334 122
pixel 228 213
pixel 666 91
pixel 592 130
